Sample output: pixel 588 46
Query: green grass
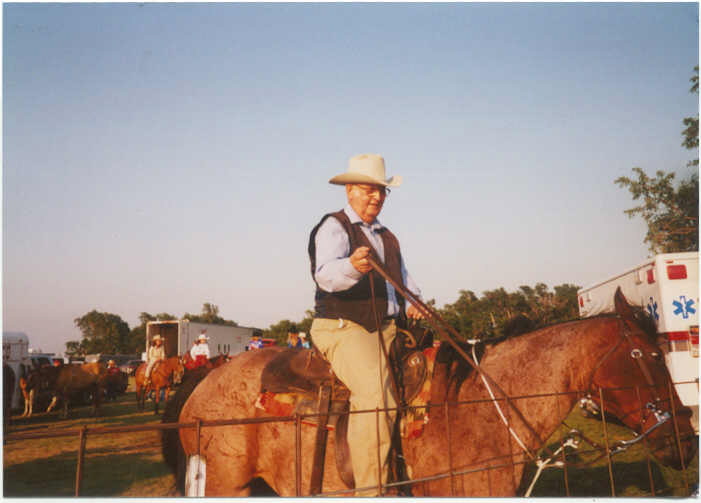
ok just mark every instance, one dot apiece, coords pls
pixel 119 464
pixel 635 472
pixel 131 465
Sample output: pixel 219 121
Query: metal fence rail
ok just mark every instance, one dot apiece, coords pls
pixel 512 459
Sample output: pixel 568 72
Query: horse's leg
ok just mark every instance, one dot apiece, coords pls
pixel 51 406
pixel 140 396
pixel 157 400
pixel 229 457
pixel 32 394
pixel 97 397
pixel 222 481
pixel 25 395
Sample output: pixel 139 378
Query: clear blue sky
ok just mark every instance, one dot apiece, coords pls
pixel 159 156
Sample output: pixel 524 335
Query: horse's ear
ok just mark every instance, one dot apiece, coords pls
pixel 623 309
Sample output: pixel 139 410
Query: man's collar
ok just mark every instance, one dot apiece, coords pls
pixel 355 219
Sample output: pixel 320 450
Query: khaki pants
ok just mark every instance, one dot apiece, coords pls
pixel 357 359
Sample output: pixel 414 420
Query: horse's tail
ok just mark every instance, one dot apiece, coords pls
pixel 172 449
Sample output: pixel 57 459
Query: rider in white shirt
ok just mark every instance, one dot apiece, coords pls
pixel 201 347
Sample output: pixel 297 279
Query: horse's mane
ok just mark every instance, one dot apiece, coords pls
pixel 459 370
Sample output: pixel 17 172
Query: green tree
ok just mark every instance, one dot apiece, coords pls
pixel 75 349
pixel 102 333
pixel 671 213
pixel 278 331
pixel 209 314
pixel 691 133
pixel 499 312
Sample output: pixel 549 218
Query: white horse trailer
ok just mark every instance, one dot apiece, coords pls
pixel 15 353
pixel 179 335
pixel 667 287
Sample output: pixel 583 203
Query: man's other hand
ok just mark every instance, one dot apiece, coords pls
pixel 414 313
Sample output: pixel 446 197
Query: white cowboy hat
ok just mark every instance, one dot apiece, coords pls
pixel 157 337
pixel 202 337
pixel 302 335
pixel 366 168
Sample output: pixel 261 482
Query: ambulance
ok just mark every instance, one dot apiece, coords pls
pixel 667 287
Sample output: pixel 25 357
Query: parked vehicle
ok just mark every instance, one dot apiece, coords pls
pixel 119 359
pixel 179 335
pixel 130 367
pixel 667 287
pixel 15 353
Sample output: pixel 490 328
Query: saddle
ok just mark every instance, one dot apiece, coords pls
pixel 302 382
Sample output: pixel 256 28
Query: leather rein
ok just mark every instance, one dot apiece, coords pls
pixel 448 334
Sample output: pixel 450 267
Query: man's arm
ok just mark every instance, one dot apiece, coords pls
pixel 334 270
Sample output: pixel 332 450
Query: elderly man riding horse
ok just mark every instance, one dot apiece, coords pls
pixel 348 307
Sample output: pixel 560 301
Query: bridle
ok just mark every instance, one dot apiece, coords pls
pixel 654 408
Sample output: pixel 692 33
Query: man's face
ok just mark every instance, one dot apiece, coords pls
pixel 366 200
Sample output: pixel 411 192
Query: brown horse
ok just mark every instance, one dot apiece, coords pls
pixel 211 363
pixel 166 373
pixel 554 365
pixel 116 383
pixel 67 380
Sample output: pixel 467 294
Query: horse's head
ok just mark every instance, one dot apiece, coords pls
pixel 220 359
pixel 638 390
pixel 178 368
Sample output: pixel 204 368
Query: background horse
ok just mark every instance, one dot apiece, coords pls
pixel 115 383
pixel 210 363
pixel 8 389
pixel 163 376
pixel 568 359
pixel 67 380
